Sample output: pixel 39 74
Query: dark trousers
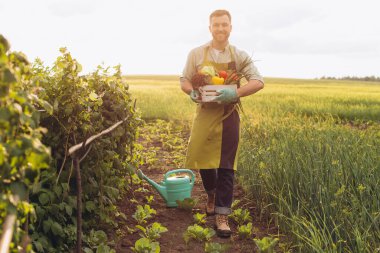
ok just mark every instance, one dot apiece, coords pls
pixel 220 181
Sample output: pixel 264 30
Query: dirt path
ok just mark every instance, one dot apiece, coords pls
pixel 177 220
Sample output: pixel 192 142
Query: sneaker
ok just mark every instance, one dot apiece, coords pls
pixel 222 227
pixel 210 205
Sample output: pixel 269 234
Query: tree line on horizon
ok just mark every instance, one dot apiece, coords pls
pixel 353 78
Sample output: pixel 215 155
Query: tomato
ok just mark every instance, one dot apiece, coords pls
pixel 223 74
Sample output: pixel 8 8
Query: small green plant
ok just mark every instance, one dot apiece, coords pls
pixel 144 245
pixel 235 203
pixel 241 216
pixel 287 247
pixel 266 244
pixel 133 201
pixel 214 247
pixel 131 230
pixel 153 231
pixel 187 204
pixel 245 231
pixel 97 242
pixel 198 233
pixel 141 189
pixel 149 199
pixel 143 213
pixel 135 179
pixel 199 218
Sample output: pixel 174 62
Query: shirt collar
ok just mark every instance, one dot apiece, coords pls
pixel 209 45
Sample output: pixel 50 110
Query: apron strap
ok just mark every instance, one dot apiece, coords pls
pixel 232 53
pixel 205 58
pixel 229 112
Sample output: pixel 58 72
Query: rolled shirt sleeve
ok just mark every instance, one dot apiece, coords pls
pixel 190 67
pixel 250 72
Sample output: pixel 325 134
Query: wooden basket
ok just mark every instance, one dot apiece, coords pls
pixel 209 92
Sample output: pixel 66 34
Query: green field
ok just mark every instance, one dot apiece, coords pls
pixel 309 155
pixel 161 97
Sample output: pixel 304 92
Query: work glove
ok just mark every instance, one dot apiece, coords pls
pixel 195 96
pixel 226 96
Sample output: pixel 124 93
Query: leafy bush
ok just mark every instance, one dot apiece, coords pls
pixel 22 155
pixel 82 106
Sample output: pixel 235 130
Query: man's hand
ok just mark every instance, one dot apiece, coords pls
pixel 226 96
pixel 195 96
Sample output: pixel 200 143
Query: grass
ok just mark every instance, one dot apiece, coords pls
pixel 328 175
pixel 161 97
pixel 310 155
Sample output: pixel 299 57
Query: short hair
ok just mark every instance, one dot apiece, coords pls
pixel 219 13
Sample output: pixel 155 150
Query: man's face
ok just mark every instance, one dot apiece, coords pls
pixel 220 28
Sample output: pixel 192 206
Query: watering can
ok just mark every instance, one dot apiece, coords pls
pixel 173 188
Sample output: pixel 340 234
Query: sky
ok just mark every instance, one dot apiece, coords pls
pixel 286 38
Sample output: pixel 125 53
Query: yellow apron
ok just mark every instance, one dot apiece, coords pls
pixel 215 134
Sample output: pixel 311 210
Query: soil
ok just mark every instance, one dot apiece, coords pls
pixel 177 220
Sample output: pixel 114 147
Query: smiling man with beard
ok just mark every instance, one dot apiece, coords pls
pixel 215 134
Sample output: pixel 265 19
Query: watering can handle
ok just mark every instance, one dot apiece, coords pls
pixel 179 171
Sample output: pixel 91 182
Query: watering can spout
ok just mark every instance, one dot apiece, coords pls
pixel 160 188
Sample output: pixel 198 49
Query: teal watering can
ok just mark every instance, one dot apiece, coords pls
pixel 173 188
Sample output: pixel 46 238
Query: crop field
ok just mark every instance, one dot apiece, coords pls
pixel 309 163
pixel 309 155
pixel 345 100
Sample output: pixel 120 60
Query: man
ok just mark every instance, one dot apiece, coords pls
pixel 213 144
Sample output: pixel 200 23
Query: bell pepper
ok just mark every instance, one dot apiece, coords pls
pixel 217 80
